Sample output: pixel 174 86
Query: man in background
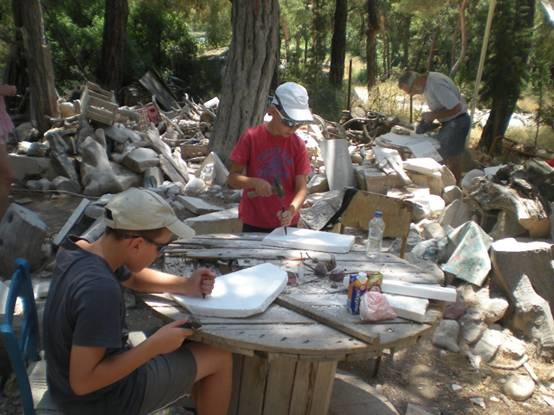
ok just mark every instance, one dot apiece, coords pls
pixel 448 107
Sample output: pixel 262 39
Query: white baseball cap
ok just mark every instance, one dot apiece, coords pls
pixel 143 210
pixel 293 99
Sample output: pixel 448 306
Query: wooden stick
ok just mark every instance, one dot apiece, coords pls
pixel 295 305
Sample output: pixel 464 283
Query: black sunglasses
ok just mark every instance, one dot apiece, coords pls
pixel 285 119
pixel 161 248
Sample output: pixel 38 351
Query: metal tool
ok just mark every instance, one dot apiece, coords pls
pixel 280 192
pixel 191 323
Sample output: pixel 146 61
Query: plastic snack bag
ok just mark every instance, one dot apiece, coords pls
pixel 375 307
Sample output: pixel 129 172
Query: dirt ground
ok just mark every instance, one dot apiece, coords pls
pixel 421 375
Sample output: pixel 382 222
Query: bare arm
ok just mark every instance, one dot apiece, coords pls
pixel 301 192
pixel 150 280
pixel 442 114
pixel 239 180
pixel 90 370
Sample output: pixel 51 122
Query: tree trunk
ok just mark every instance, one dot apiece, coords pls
pixel 386 56
pixel 432 48
pixel 39 62
pixel 406 40
pixel 110 68
pixel 512 42
pixel 454 69
pixel 298 51
pixel 319 32
pixel 338 44
pixel 251 62
pixel 373 27
pixel 497 123
pixel 15 72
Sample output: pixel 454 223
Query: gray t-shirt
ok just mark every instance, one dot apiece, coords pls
pixel 441 93
pixel 85 307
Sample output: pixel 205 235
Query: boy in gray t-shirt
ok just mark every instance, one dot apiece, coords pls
pixel 91 370
pixel 448 107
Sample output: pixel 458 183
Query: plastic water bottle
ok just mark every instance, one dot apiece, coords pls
pixel 375 230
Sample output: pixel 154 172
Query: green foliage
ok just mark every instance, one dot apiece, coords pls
pixel 326 100
pixel 75 36
pixel 541 59
pixel 219 25
pixel 6 32
pixel 423 7
pixel 356 29
pixel 158 37
pixel 506 65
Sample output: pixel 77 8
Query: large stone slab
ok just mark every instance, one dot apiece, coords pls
pixel 212 170
pixel 197 205
pixel 226 221
pixel 338 164
pixel 375 180
pixel 512 258
pixel 309 239
pixel 99 175
pixel 25 167
pixel 532 317
pixel 22 233
pixel 470 259
pixel 239 294
pixel 323 206
pixel 141 159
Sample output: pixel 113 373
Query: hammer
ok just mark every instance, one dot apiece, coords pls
pixel 278 190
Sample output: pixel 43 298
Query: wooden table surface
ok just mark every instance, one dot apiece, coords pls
pixel 307 322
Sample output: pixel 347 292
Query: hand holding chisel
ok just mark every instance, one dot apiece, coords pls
pixel 280 193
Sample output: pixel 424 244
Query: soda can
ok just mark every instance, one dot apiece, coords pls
pixel 374 278
pixel 356 288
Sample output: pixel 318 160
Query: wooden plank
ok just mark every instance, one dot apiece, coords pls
pixel 300 388
pixel 401 335
pixel 238 363
pixel 311 340
pixel 278 389
pixel 322 388
pixel 332 302
pixel 325 318
pixel 228 254
pixel 252 386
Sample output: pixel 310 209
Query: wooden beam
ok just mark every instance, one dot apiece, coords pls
pixel 329 320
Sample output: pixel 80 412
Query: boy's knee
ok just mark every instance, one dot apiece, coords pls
pixel 210 355
pixel 225 358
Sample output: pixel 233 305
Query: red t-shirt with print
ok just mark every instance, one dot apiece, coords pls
pixel 268 156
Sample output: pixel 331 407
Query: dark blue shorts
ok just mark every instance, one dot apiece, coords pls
pixel 452 136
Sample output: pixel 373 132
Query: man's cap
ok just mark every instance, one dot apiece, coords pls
pixel 143 210
pixel 293 99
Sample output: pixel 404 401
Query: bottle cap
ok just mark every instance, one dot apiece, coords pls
pixel 378 214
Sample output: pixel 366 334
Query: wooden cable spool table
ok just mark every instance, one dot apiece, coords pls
pixel 286 357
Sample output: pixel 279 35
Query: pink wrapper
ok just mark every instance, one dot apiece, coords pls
pixel 375 307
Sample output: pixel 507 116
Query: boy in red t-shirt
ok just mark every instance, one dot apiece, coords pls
pixel 273 152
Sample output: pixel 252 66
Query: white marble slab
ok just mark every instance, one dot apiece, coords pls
pixel 239 294
pixel 308 239
pixel 430 291
pixel 410 308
